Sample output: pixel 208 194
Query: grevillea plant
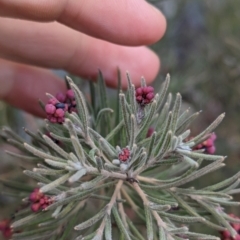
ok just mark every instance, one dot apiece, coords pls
pixel 120 169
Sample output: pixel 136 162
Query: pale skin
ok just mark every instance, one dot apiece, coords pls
pixel 80 36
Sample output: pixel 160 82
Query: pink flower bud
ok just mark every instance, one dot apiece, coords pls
pixel 150 96
pixel 139 91
pixel 147 90
pixel 70 94
pixel 50 109
pixel 52 101
pixel 60 97
pixel 211 150
pixel 35 207
pixel 59 113
pixel 208 142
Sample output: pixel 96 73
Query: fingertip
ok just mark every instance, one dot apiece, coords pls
pixel 147 65
pixel 154 30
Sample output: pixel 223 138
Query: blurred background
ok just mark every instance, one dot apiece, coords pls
pixel 201 51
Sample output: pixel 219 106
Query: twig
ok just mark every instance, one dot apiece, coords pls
pixel 121 211
pixel 114 196
pixel 146 202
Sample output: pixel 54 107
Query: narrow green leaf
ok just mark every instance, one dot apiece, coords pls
pixel 30 219
pixel 17 144
pixel 107 148
pixel 11 133
pixel 182 126
pixel 91 220
pixel 55 183
pixel 108 228
pixel 162 234
pixel 175 112
pixel 209 129
pixel 183 219
pixel 193 154
pixel 55 147
pixel 218 216
pixel 149 222
pixel 125 112
pixel 34 233
pixel 68 228
pixel 120 224
pixel 78 150
pixel 23 157
pixel 191 211
pixel 41 154
pixel 224 183
pixel 162 139
pixel 179 230
pixel 115 131
pixel 209 168
pixel 157 207
pixel 56 164
pixel 163 92
pixel 161 117
pixel 200 236
pixel 135 231
pixel 133 130
pixel 102 114
pixel 147 121
pixel 48 171
pixel 36 176
pixel 76 176
pixel 16 185
pixel 60 138
pixel 81 106
pixel 163 202
pixel 151 146
pixel 165 146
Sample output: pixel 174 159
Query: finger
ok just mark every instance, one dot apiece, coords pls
pixel 53 45
pixel 128 22
pixel 22 86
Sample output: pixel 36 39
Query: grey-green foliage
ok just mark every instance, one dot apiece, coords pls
pixel 96 196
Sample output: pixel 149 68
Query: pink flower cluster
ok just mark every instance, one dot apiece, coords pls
pixel 39 200
pixel 56 107
pixel 208 144
pixel 5 228
pixel 124 155
pixel 225 235
pixel 144 95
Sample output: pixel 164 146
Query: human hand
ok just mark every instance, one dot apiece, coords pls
pixel 78 36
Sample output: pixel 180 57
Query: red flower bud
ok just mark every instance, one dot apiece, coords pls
pixel 35 207
pixel 124 155
pixel 144 95
pixel 4 224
